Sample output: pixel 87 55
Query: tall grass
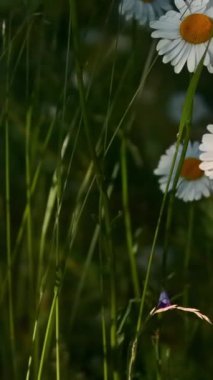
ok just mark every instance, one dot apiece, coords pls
pixel 88 242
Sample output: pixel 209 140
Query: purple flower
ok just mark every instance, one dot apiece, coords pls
pixel 164 300
pixel 164 304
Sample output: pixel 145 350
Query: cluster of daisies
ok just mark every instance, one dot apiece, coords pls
pixel 184 33
pixel 185 30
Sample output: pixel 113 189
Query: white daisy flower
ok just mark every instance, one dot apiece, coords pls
pixel 192 184
pixel 185 34
pixel 207 156
pixel 143 11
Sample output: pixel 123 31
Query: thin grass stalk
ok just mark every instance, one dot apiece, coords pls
pixel 106 247
pixel 78 218
pixel 57 263
pixel 16 63
pixel 86 267
pixel 48 333
pixel 110 108
pixel 104 339
pixel 109 98
pixel 171 205
pixel 52 196
pixel 34 335
pixel 88 180
pixel 81 282
pixel 134 345
pixel 183 127
pixel 17 34
pixel 32 190
pixel 12 70
pixel 187 255
pixel 87 183
pixel 11 315
pixel 150 62
pixel 29 214
pixel 142 303
pixel 91 251
pixel 189 239
pixel 25 213
pixel 99 179
pixel 57 337
pixel 127 218
pixel 102 295
pixel 63 150
pixel 124 178
pixel 51 201
pixel 67 63
pixel 24 43
pixel 166 242
pixel 8 245
pixel 147 69
pixel 156 344
pixel 27 64
pixel 85 187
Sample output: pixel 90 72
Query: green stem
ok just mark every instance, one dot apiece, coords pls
pixel 189 239
pixel 171 202
pixel 25 213
pixel 157 355
pixel 8 221
pixel 91 251
pixel 127 219
pixel 148 66
pixel 57 261
pixel 29 216
pixel 47 334
pixel 166 241
pixel 187 255
pixel 103 317
pixel 188 252
pixel 8 240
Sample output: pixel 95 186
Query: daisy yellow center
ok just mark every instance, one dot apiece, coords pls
pixel 196 28
pixel 190 169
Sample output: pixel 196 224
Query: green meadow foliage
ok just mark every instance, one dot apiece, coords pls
pixel 88 240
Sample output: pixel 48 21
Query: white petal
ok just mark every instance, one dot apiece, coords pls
pixel 207 156
pixel 180 61
pixel 206 166
pixel 175 51
pixel 210 128
pixel 207 142
pixel 191 60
